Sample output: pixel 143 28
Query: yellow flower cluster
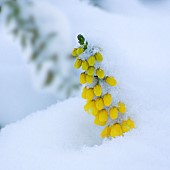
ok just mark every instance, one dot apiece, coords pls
pixel 99 103
pixel 117 129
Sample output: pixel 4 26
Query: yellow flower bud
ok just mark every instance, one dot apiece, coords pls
pixel 107 98
pixel 83 94
pixel 97 121
pixel 92 104
pixel 89 94
pixel 92 109
pixel 85 65
pixel 79 50
pixel 78 63
pixel 89 79
pixel 111 81
pixel 99 103
pixel 116 130
pixel 87 106
pixel 90 70
pixel 127 125
pixel 131 123
pixel 105 132
pixel 91 60
pixel 103 116
pixel 74 52
pixel 98 57
pixel 121 107
pixel 97 90
pixel 100 73
pixel 113 113
pixel 82 78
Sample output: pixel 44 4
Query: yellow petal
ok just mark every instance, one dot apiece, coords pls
pixel 116 130
pixel 83 94
pixel 99 103
pixel 113 113
pixel 121 107
pixel 74 52
pixel 91 60
pixel 125 127
pixel 82 78
pixel 103 116
pixel 100 73
pixel 78 63
pixel 107 98
pixel 89 94
pixel 97 122
pixel 79 51
pixel 90 71
pixel 87 106
pixel 98 57
pixel 89 79
pixel 105 132
pixel 131 123
pixel 85 65
pixel 111 81
pixel 97 90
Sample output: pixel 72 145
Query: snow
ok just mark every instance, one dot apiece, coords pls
pixel 64 137
pixel 136 51
pixel 16 85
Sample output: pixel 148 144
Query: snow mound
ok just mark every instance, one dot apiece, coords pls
pixel 136 51
pixel 16 85
pixel 65 122
pixel 62 137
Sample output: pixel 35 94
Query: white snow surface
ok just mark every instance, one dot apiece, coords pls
pixel 16 85
pixel 64 137
pixel 136 52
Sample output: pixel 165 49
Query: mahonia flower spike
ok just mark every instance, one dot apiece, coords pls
pixel 99 101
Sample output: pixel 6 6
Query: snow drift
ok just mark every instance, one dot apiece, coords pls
pixel 136 50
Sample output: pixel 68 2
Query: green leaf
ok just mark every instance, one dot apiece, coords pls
pixel 15 31
pixel 38 51
pixel 9 18
pixel 85 45
pixel 23 41
pixel 81 39
pixel 49 78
